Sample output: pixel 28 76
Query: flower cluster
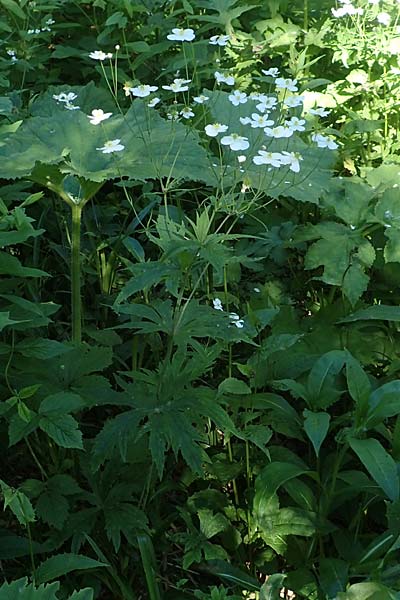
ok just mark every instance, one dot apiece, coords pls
pixel 233 317
pixel 67 99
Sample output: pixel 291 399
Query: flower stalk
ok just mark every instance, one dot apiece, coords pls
pixel 76 302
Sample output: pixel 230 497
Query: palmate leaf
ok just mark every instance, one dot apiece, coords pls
pixel 154 147
pixel 21 590
pixel 306 186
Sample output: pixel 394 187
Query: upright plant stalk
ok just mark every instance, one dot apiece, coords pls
pixel 76 274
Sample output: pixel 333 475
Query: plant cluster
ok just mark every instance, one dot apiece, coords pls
pixel 199 390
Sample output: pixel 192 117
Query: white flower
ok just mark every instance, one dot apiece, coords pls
pixel 201 99
pixel 373 1
pixel 219 40
pixel 235 142
pixel 173 116
pixel 228 79
pixel 65 97
pixel 178 85
pixel 187 112
pixel 242 158
pixel 97 116
pixel 143 90
pixel 268 158
pixel 236 320
pixel 245 120
pixel 111 146
pixel 292 159
pixel 214 129
pixel 323 141
pixel 286 84
pixel 153 102
pixel 257 290
pixel 347 9
pixel 272 72
pixel 281 131
pixel 296 124
pixel 237 97
pixel 70 106
pixel 181 35
pixel 293 101
pixel 100 55
pixel 260 121
pixel 383 18
pixel 217 304
pixel 319 112
pixel 267 102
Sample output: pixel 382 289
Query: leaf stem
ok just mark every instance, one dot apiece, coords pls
pixel 76 274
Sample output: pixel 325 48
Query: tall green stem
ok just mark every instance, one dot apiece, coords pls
pixel 76 274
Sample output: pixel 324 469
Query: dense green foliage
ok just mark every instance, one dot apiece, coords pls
pixel 199 304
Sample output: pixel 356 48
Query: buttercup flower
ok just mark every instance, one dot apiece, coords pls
pixel 237 97
pixel 219 40
pixel 111 146
pixel 268 158
pixel 178 85
pixel 153 102
pixel 214 129
pixel 100 55
pixel 260 120
pixel 235 142
pixel 200 99
pixel 141 91
pixel 293 101
pixel 181 35
pixel 281 131
pixel 187 112
pixel 319 112
pixel 272 72
pixel 286 84
pixel 127 88
pixel 296 124
pixel 292 160
pixel 217 304
pixel 97 116
pixel 323 141
pixel 228 79
pixel 266 103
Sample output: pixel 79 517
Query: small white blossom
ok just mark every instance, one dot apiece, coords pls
pixel 237 97
pixel 319 112
pixel 296 124
pixel 323 141
pixel 100 55
pixel 187 112
pixel 70 106
pixel 293 101
pixel 201 99
pixel 245 120
pixel 281 131
pixel 178 85
pixel 221 78
pixel 292 159
pixel 257 290
pixel 267 102
pixel 286 84
pixel 260 121
pixel 65 97
pixel 242 158
pixel 97 116
pixel 272 72
pixel 214 129
pixel 268 158
pixel 173 116
pixel 235 142
pixel 181 35
pixel 236 320
pixel 383 18
pixel 217 304
pixel 50 21
pixel 143 90
pixel 111 146
pixel 219 40
pixel 153 102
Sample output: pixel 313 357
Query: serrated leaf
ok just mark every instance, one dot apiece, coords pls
pixel 60 403
pixel 379 464
pixel 62 564
pixel 63 429
pixel 52 508
pixel 18 503
pixel 355 283
pixel 21 590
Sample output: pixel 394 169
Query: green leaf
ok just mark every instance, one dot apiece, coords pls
pixel 53 509
pixel 359 386
pixel 383 403
pixel 231 385
pixel 271 590
pixel 316 426
pixel 18 503
pixel 14 8
pixel 63 429
pixel 379 464
pixel 21 590
pixel 379 312
pixel 355 283
pixel 62 564
pixel 61 403
pixel 321 378
pixel 270 479
pixel 5 320
pixel 10 265
pixel 368 591
pixel 333 576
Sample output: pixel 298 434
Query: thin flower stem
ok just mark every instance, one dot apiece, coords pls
pixel 76 211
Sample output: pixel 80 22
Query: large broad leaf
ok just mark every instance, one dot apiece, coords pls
pixel 322 392
pixel 269 480
pixel 333 576
pixel 153 147
pixel 379 464
pixel 63 429
pixel 383 403
pixel 306 186
pixel 62 564
pixel 378 312
pixel 368 590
